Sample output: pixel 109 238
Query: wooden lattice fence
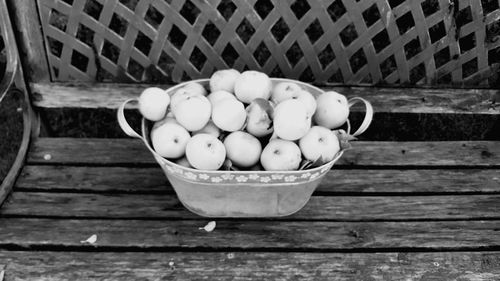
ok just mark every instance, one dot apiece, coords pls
pixel 325 41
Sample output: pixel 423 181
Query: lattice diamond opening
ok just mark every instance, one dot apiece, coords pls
pixel 492 32
pixel 348 35
pixel 357 60
pixel 489 6
pixel 300 8
pixel 337 77
pixel 245 30
pixel 430 7
pixel 153 17
pixel 395 3
pixel 326 56
pixel 444 79
pixel 437 31
pixel 110 51
pixel 405 23
pixel 185 77
pixel 467 42
pixel 336 10
pixel 494 56
pixel 280 29
pixel 417 73
pixel 55 46
pixel 262 54
pixel 211 33
pixel 294 54
pixel 367 79
pixel 58 20
pixel 442 57
pixel 314 31
pixel 93 9
pixel 135 69
pixel 263 8
pixel 118 24
pixel 307 75
pixel 381 41
pixel 229 55
pixel 130 4
pixel 69 2
pixel 143 43
pixel 197 58
pixel 189 11
pixel 388 66
pixel 412 48
pixel 85 35
pixel 226 8
pixel 103 75
pixel 371 15
pixel 464 17
pixel 166 63
pixel 469 68
pixel 276 72
pixel 176 37
pixel 79 61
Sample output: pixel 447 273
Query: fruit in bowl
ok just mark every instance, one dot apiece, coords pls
pixel 244 144
pixel 153 103
pixel 291 120
pixel 246 121
pixel 332 110
pixel 205 152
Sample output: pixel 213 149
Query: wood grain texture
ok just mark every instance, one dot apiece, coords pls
pixel 396 100
pixel 153 180
pixel 93 179
pixel 29 34
pixel 442 266
pixel 186 235
pixel 337 208
pixel 365 153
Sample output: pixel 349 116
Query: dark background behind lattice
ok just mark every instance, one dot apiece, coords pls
pixel 397 42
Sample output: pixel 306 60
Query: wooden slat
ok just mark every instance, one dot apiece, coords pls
pixel 131 151
pixel 93 179
pixel 29 35
pixel 407 100
pixel 258 235
pixel 153 180
pixel 338 208
pixel 443 266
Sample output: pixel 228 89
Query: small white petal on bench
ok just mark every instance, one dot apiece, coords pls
pixel 91 240
pixel 209 227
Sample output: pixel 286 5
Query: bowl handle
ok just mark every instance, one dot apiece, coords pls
pixel 122 121
pixel 368 115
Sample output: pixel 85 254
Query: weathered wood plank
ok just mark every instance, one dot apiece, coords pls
pixel 182 235
pixel 29 34
pixel 365 153
pixel 338 208
pixel 408 100
pixel 442 266
pixel 153 180
pixel 93 179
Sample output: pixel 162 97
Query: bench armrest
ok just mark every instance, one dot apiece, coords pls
pixel 12 60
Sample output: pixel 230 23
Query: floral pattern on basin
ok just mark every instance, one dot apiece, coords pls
pixel 244 176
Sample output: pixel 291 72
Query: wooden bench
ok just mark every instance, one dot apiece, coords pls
pixel 390 210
